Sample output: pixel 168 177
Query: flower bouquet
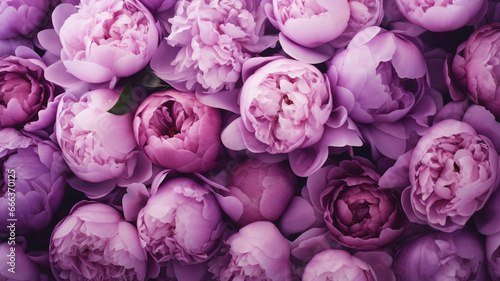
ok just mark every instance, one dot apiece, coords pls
pixel 280 140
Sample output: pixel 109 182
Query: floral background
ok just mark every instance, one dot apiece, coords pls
pixel 250 140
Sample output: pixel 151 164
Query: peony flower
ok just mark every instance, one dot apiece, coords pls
pixel 452 171
pixel 257 191
pixel 285 104
pixel 358 213
pixel 181 221
pixel 439 16
pixel 24 91
pixel 176 131
pixel 337 265
pixel 33 177
pixel 304 21
pixel 379 77
pixel 364 13
pixel 98 146
pixel 473 71
pixel 105 40
pixel 442 256
pixel 94 243
pixel 209 42
pixel 286 107
pixel 22 17
pixel 389 101
pixel 257 252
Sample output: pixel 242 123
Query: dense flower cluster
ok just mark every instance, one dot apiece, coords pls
pixel 273 140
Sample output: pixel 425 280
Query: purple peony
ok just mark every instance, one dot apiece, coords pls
pixel 304 21
pixel 209 42
pixel 474 72
pixel 439 16
pixel 453 171
pixel 358 213
pixel 176 131
pixel 105 40
pixel 23 88
pixel 94 243
pixel 257 191
pixel 33 177
pixel 22 17
pixel 337 265
pixel 181 221
pixel 442 256
pixel 286 107
pixel 98 146
pixel 257 252
pixel 379 77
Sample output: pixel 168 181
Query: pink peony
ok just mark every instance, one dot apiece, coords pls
pixel 257 252
pixel 474 72
pixel 105 40
pixel 453 171
pixel 24 91
pixel 208 43
pixel 98 146
pixel 358 213
pixel 286 107
pixel 379 77
pixel 94 243
pixel 180 221
pixel 178 132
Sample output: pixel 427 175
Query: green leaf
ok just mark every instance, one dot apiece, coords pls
pixel 125 102
pixel 149 80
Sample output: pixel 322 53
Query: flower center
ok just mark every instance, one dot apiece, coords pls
pixel 360 211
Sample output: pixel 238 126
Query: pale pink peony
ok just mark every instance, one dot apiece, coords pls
pixel 208 43
pixel 94 243
pixel 105 40
pixel 98 146
pixel 453 171
pixel 24 91
pixel 286 107
pixel 257 252
pixel 180 221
